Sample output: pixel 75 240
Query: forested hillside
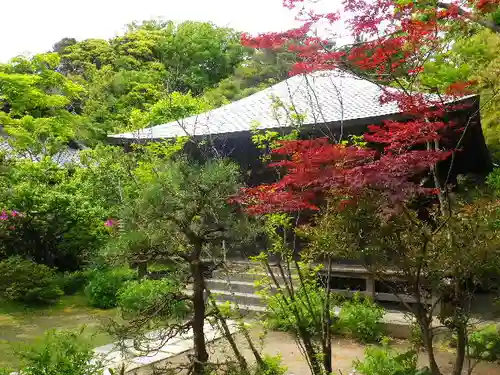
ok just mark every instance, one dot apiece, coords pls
pixel 154 73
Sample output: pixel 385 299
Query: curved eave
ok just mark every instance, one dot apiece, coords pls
pixel 351 126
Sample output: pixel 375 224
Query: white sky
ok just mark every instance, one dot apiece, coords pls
pixel 33 26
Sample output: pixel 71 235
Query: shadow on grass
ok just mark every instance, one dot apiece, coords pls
pixel 23 325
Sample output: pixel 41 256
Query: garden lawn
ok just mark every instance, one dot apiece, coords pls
pixel 20 325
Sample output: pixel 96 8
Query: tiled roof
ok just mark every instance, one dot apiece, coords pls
pixel 322 97
pixel 68 155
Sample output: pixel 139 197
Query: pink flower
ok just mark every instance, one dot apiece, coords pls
pixel 14 213
pixel 110 223
pixel 4 215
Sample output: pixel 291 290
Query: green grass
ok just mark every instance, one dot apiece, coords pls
pixel 21 325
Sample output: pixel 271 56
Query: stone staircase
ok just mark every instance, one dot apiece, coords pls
pixel 237 285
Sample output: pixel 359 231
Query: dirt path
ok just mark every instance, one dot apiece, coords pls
pixel 344 353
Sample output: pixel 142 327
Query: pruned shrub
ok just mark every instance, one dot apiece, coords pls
pixel 60 352
pixel 74 282
pixel 484 344
pixel 361 318
pixel 24 281
pixel 102 289
pixel 381 360
pixel 272 366
pixel 309 304
pixel 139 296
pixel 416 336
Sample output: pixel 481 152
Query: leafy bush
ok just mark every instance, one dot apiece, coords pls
pixel 28 282
pixel 74 282
pixel 273 366
pixel 103 287
pixel 281 316
pixel 416 336
pixel 138 296
pixel 493 179
pixel 485 344
pixel 359 317
pixel 362 318
pixel 60 352
pixel 384 361
pixel 47 217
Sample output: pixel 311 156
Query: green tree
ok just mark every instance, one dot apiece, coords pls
pixel 61 45
pixel 146 65
pixel 181 215
pixel 113 96
pixel 198 55
pixel 80 57
pixel 474 59
pixel 36 105
pixel 106 177
pixel 174 107
pixel 263 68
pixel 438 261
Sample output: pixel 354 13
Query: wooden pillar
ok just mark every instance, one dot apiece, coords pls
pixel 370 287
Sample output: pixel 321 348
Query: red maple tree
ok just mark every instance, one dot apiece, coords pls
pixel 393 40
pixel 402 36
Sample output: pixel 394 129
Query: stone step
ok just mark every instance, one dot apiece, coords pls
pixel 235 286
pixel 244 266
pixel 242 281
pixel 231 286
pixel 250 299
pixel 246 276
pixel 240 298
pixel 250 311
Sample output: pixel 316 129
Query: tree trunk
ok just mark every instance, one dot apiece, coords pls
pixel 309 348
pixel 459 302
pixel 461 347
pixel 303 334
pixel 327 325
pixel 429 346
pixel 227 334
pixel 256 354
pixel 200 349
pixel 142 270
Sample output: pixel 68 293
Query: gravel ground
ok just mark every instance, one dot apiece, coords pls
pixel 344 351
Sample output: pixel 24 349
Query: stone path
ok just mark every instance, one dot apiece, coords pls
pixel 115 356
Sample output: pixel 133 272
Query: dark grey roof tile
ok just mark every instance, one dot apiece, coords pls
pixel 68 155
